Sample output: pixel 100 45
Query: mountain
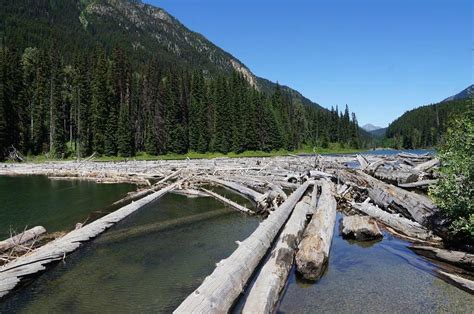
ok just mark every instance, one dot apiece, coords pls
pixel 142 30
pixel 370 127
pixel 379 132
pixel 466 93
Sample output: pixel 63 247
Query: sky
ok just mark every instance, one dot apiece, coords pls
pixel 380 57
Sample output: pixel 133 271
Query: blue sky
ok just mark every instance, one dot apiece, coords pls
pixel 381 57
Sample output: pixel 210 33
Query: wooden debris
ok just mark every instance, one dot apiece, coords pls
pixel 457 258
pixel 362 162
pixel 401 224
pixel 265 292
pixel 228 202
pixel 22 238
pixel 313 251
pixel 220 289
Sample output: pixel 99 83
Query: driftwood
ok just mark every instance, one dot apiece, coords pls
pixel 22 238
pixel 401 224
pixel 457 258
pixel 362 162
pixel 427 165
pixel 313 251
pixel 409 204
pixel 271 280
pixel 423 184
pixel 228 202
pixel 461 282
pixel 396 176
pixel 219 290
pixel 361 228
pixel 34 262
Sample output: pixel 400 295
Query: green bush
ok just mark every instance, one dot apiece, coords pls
pixel 454 193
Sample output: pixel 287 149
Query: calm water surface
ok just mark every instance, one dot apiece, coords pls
pixel 149 272
pixel 55 204
pixel 382 277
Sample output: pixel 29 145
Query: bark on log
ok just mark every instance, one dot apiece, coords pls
pixel 401 224
pixel 219 290
pixel 313 251
pixel 271 280
pixel 409 204
pixel 392 175
pixel 457 258
pixel 22 238
pixel 228 202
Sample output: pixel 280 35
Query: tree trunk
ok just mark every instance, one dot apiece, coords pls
pixel 21 238
pixel 313 251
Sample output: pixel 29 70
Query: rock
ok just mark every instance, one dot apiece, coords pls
pixel 362 228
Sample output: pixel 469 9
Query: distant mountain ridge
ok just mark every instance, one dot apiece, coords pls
pixel 466 93
pixel 370 127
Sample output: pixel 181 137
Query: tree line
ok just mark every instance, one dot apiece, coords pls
pixel 99 103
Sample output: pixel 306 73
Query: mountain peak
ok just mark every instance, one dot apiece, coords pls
pixel 466 93
pixel 370 127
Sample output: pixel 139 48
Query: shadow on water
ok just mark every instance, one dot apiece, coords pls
pixel 151 272
pixel 384 276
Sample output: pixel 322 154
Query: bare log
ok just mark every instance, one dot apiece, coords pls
pixel 228 202
pixel 457 258
pixel 394 175
pixel 427 165
pixel 219 290
pixel 313 251
pixel 362 161
pixel 423 184
pixel 409 204
pixel 461 282
pixel 22 238
pixel 401 224
pixel 271 280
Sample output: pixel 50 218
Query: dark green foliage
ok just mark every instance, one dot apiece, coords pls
pixel 100 104
pixel 454 192
pixel 125 134
pixel 424 126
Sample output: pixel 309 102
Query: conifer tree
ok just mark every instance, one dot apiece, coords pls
pixel 100 103
pixel 125 134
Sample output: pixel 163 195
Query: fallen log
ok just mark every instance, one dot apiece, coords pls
pixel 138 231
pixel 409 204
pixel 228 202
pixel 12 273
pixel 456 258
pixel 461 282
pixel 390 174
pixel 401 224
pixel 423 184
pixel 427 165
pixel 21 238
pixel 271 280
pixel 313 250
pixel 219 290
pixel 361 228
pixel 190 193
pixel 362 162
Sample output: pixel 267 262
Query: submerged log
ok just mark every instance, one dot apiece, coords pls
pixel 219 290
pixel 22 238
pixel 228 202
pixel 34 262
pixel 409 204
pixel 401 224
pixel 271 280
pixel 361 228
pixel 456 258
pixel 313 251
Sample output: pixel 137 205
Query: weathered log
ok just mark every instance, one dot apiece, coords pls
pixel 22 238
pixel 271 280
pixel 362 162
pixel 361 228
pixel 427 165
pixel 34 262
pixel 316 174
pixel 219 290
pixel 393 175
pixel 409 204
pixel 313 251
pixel 249 193
pixel 461 282
pixel 457 258
pixel 190 193
pixel 228 202
pixel 401 224
pixel 423 184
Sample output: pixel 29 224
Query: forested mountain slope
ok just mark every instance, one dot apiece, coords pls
pixel 424 126
pixel 119 76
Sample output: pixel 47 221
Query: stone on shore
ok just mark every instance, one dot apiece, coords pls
pixel 361 228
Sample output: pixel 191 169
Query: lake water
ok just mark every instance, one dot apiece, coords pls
pixel 380 277
pixel 57 205
pixel 152 271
